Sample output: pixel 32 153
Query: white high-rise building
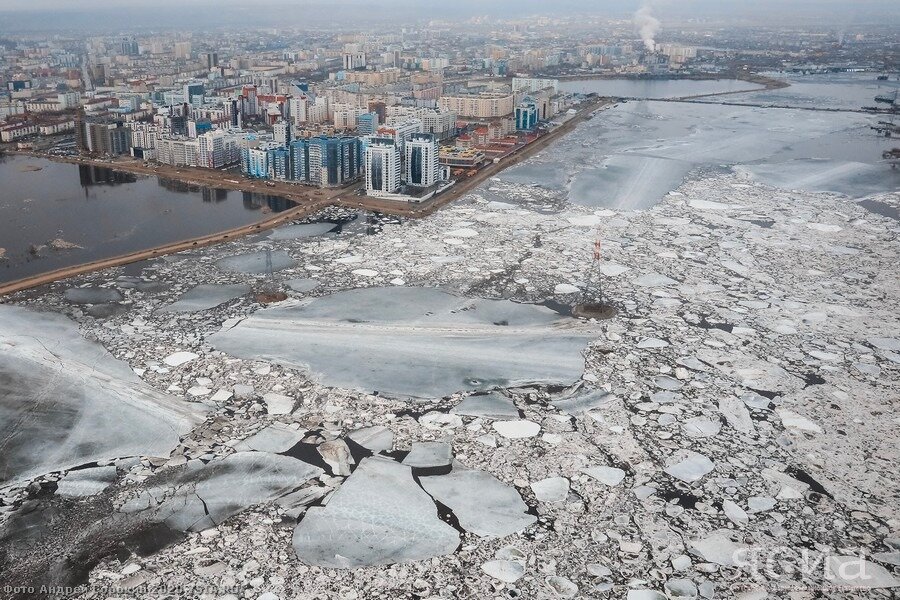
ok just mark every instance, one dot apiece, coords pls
pixel 441 123
pixel 182 50
pixel 282 133
pixel 211 149
pixel 354 57
pixel 422 167
pixel 298 106
pixel 68 100
pixel 345 118
pixel 382 167
pixel 530 85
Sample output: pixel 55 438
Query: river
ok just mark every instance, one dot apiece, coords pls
pixel 631 155
pixel 100 213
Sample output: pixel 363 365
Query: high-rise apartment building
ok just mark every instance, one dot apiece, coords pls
pixel 280 163
pixel 211 149
pixel 354 57
pixel 192 90
pixel 282 133
pixel 255 162
pixel 440 123
pixel 526 114
pixel 326 161
pixel 422 167
pixel 298 106
pixel 345 117
pixel 400 132
pixel 382 167
pixel 233 109
pixel 107 138
pixel 534 84
pixel 367 123
pixel 182 50
pixel 129 47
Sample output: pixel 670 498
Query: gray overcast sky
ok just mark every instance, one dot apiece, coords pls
pixel 24 15
pixel 587 5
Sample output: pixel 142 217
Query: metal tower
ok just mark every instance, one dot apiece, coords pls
pixel 593 290
pixel 270 285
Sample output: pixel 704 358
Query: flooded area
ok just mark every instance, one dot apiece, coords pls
pixel 58 214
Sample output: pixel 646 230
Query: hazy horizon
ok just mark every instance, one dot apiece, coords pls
pixel 104 15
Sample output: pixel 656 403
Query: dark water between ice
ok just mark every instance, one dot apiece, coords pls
pixel 107 213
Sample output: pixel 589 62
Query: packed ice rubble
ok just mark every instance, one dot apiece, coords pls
pixel 743 401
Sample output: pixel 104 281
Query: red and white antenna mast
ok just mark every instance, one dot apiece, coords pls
pixel 598 245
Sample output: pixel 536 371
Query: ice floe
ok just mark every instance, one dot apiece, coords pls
pixel 483 505
pixel 67 402
pixel 378 516
pixel 444 348
pixel 203 297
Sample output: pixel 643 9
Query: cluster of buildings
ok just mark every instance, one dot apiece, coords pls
pixel 307 106
pixel 365 109
pixel 400 157
pixel 328 134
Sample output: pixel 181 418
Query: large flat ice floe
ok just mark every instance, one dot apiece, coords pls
pixel 65 401
pixel 483 504
pixel 204 297
pixel 256 262
pixel 378 516
pixel 417 342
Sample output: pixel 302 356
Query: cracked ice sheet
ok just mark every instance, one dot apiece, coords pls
pixel 206 496
pixel 359 339
pixel 256 262
pixel 378 516
pixel 65 401
pixel 483 504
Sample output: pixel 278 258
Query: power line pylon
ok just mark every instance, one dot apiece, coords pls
pixel 594 287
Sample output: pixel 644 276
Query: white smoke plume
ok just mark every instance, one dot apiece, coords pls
pixel 647 26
